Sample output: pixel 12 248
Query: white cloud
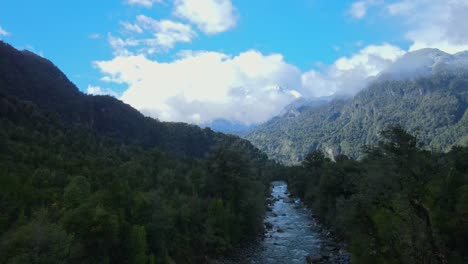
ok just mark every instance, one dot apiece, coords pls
pixel 94 36
pixel 3 32
pixel 127 26
pixel 359 9
pixel 210 16
pixel 441 24
pixel 150 36
pixel 203 86
pixel 348 75
pixel 400 8
pixel 145 3
pixel 97 90
pixel 121 46
pixel 166 32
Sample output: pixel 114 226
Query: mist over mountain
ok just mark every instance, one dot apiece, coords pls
pixel 229 127
pixel 240 129
pixel 425 62
pixel 425 91
pixel 301 104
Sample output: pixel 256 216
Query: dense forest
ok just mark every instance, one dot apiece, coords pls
pixel 71 196
pixel 399 204
pixel 88 179
pixel 29 77
pixel 434 107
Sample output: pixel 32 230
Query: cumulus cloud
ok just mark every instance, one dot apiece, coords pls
pixel 210 16
pixel 3 32
pixel 250 87
pixel 348 75
pixel 97 90
pixel 202 86
pixel 149 36
pixel 439 24
pixel 145 3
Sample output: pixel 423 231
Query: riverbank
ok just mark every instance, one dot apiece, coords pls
pixel 292 235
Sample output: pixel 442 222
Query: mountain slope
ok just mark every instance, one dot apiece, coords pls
pixel 433 105
pixel 69 195
pixel 83 178
pixel 29 77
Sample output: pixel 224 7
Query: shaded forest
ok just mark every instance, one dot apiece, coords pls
pixel 399 204
pixel 71 196
pixel 88 179
pixel 433 107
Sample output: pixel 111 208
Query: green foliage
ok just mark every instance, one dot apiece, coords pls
pixel 138 245
pixel 399 204
pixel 118 187
pixel 76 191
pixel 69 195
pixel 29 77
pixel 432 107
pixel 38 241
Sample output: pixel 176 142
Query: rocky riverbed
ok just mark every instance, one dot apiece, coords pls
pixel 292 235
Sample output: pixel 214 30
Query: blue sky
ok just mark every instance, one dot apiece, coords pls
pixel 270 51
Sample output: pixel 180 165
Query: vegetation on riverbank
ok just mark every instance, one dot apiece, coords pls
pixel 68 195
pixel 89 179
pixel 399 204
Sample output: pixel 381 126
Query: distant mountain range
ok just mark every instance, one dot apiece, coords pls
pixel 425 62
pixel 425 91
pixel 240 129
pixel 229 127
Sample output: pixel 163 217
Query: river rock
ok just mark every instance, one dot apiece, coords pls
pixel 330 248
pixel 313 259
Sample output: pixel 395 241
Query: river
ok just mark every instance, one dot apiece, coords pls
pixel 293 236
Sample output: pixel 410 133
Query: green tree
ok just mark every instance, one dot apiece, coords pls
pixel 138 246
pixel 76 192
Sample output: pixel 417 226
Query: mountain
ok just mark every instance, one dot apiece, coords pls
pixel 425 62
pixel 430 98
pixel 229 127
pixel 29 77
pixel 240 129
pixel 299 105
pixel 88 179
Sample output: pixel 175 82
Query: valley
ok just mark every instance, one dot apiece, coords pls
pixel 430 100
pixel 293 236
pixel 131 189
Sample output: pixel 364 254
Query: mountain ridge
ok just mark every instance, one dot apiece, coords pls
pixel 433 104
pixel 29 77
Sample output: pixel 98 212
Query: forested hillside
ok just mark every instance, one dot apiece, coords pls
pixel 434 107
pixel 30 77
pixel 399 204
pixel 88 179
